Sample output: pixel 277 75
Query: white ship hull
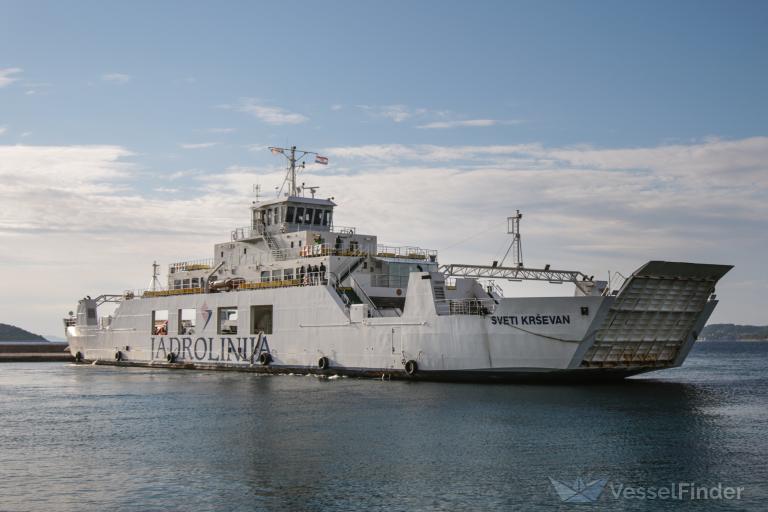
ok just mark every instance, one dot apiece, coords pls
pixel 650 324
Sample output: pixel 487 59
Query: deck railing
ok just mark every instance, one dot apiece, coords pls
pixel 307 279
pixel 411 253
pixel 188 266
pixel 247 232
pixel 480 307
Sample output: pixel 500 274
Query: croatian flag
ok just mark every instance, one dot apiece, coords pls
pixel 321 160
pixel 277 150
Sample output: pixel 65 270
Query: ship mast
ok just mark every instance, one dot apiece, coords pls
pixel 295 163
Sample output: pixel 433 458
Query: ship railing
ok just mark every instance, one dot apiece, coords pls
pixel 305 279
pixel 406 252
pixel 389 281
pixel 190 265
pixel 247 232
pixel 315 250
pixel 472 306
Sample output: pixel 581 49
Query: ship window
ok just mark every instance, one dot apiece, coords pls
pixel 261 319
pixel 245 250
pixel 264 276
pixel 269 217
pixel 318 217
pixel 177 284
pixel 326 217
pixel 185 284
pixel 222 254
pixel 289 214
pixel 228 320
pixel 160 322
pixel 196 282
pixel 299 243
pixel 299 215
pixel 291 245
pixel 91 312
pixel 308 216
pixel 187 321
pixel 288 274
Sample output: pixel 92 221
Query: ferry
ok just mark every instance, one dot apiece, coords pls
pixel 293 292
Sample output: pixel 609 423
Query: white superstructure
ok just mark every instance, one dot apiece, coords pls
pixel 294 292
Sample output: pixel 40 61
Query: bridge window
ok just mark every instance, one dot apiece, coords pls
pixel 160 322
pixel 289 214
pixel 187 321
pixel 326 217
pixel 318 217
pixel 299 215
pixel 228 320
pixel 308 216
pixel 261 319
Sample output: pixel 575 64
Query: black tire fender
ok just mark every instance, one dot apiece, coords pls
pixel 411 367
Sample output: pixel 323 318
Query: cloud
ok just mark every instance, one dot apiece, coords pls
pixel 270 114
pixel 116 78
pixel 221 130
pixel 6 76
pixel 71 215
pixel 3 129
pixel 468 123
pixel 396 113
pixel 198 145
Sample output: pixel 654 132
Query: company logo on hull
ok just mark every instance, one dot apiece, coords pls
pixel 223 349
pixel 206 313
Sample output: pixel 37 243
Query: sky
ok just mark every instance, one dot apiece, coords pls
pixel 135 131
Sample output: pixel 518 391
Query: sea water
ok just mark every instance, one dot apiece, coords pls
pixel 82 437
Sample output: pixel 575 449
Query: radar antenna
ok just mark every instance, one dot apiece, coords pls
pixel 295 163
pixel 513 228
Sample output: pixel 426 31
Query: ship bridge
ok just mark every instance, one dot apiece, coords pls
pixel 292 213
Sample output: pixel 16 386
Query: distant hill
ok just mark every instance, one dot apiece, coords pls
pixel 13 333
pixel 732 332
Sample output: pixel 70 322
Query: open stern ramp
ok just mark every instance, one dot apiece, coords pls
pixel 655 318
